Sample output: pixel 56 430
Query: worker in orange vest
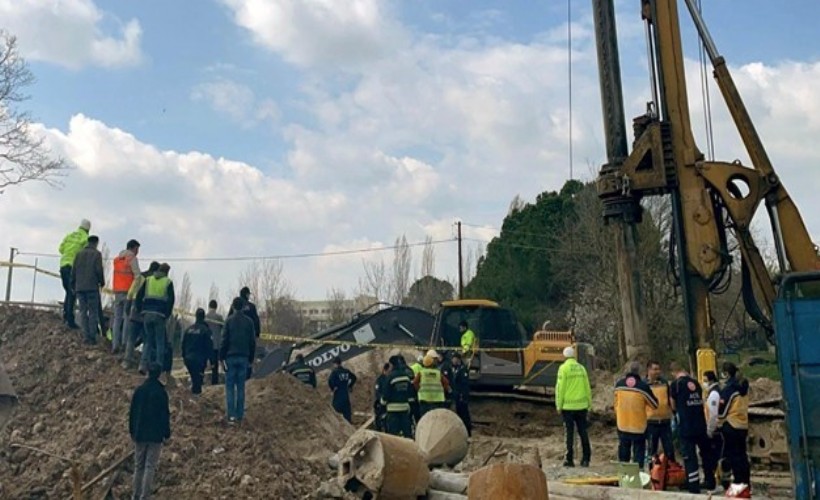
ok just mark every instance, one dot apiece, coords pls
pixel 126 268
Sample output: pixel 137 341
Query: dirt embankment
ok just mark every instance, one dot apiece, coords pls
pixel 74 403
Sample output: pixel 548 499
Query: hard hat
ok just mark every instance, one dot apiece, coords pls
pixel 569 352
pixel 428 361
pixel 85 224
pixel 432 353
pixel 419 358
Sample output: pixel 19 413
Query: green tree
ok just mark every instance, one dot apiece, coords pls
pixel 428 292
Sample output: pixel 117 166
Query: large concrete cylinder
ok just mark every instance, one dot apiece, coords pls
pixel 508 481
pixel 442 437
pixel 386 466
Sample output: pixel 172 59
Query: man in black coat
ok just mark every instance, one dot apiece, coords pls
pixel 149 423
pixel 196 350
pixel 461 391
pixel 341 382
pixel 237 353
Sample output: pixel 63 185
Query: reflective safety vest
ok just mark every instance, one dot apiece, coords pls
pixel 430 388
pixel 123 275
pixel 157 288
pixel 416 367
pixel 663 413
pixel 397 394
pixel 467 341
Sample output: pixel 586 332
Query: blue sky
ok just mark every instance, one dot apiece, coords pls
pixel 269 127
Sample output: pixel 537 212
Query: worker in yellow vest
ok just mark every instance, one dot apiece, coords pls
pixel 468 338
pixel 431 386
pixel 417 366
pixel 659 420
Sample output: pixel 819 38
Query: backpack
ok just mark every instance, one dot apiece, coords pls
pixel 666 473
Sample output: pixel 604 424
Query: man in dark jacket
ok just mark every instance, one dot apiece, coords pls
pixel 155 302
pixel 303 372
pixel 341 382
pixel 237 352
pixel 461 391
pixel 248 308
pixel 379 408
pixel 87 279
pixel 396 394
pixel 196 350
pixel 687 402
pixel 149 423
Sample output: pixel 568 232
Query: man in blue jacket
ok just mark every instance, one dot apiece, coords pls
pixel 149 424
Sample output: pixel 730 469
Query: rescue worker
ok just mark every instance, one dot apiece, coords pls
pixel 461 391
pixel 416 367
pixel 87 278
pixel 69 248
pixel 659 421
pixel 149 424
pixel 395 398
pixel 632 398
pixel 155 301
pixel 573 399
pixel 468 338
pixel 303 371
pixel 341 382
pixel 431 386
pixel 126 269
pixel 237 353
pixel 734 413
pixel 711 410
pixel 687 402
pixel 215 322
pixel 135 328
pixel 197 347
pixel 445 366
pixel 414 402
pixel 379 408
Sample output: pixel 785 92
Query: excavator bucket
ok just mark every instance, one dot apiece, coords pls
pixel 8 398
pixel 395 325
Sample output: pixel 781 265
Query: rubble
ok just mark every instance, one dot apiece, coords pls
pixel 74 404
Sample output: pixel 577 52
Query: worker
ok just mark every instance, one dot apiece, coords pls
pixel 135 328
pixel 468 338
pixel 431 386
pixel 87 278
pixel 341 382
pixel 711 410
pixel 659 421
pixel 126 269
pixel 197 347
pixel 461 391
pixel 687 402
pixel 632 398
pixel 155 301
pixel 149 424
pixel 69 248
pixel 445 366
pixel 416 367
pixel 215 322
pixel 303 371
pixel 414 402
pixel 237 353
pixel 395 398
pixel 249 309
pixel 379 408
pixel 573 399
pixel 734 413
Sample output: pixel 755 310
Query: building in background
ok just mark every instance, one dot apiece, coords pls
pixel 321 314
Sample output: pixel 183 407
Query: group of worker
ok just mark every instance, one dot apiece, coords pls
pixel 712 423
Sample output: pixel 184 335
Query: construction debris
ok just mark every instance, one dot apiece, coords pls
pixel 442 437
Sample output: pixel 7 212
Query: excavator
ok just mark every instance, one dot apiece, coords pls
pixel 508 356
pixel 713 201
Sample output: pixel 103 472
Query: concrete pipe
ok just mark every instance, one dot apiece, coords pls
pixel 508 481
pixel 442 437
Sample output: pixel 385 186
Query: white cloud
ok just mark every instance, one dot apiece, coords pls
pixel 319 32
pixel 237 101
pixel 69 33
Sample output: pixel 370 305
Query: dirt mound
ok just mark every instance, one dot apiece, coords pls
pixel 74 404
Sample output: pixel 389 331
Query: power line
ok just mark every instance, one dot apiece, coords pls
pixel 270 257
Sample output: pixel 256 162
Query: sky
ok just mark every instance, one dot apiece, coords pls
pixel 257 128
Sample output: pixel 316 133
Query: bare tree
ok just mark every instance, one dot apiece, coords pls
pixel 273 294
pixel 402 264
pixel 471 260
pixel 213 292
pixel 184 296
pixel 23 156
pixel 337 303
pixel 375 282
pixel 428 258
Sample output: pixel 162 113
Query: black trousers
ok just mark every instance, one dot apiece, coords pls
pixel 660 433
pixel 632 447
pixel 215 367
pixel 463 412
pixel 690 462
pixel 425 406
pixel 344 408
pixel 196 369
pixel 397 423
pixel 70 298
pixel 576 419
pixel 734 453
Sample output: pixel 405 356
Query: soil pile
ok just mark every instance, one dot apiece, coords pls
pixel 74 403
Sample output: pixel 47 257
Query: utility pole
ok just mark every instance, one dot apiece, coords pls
pixel 11 269
pixel 34 279
pixel 460 266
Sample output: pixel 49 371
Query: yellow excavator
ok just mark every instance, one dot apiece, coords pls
pixel 710 200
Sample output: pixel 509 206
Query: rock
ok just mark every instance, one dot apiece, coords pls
pixel 16 435
pixel 19 455
pixel 174 457
pixel 247 480
pixel 329 489
pixel 218 450
pixel 38 428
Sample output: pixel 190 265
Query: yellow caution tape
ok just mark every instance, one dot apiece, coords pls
pixel 29 266
pixel 376 345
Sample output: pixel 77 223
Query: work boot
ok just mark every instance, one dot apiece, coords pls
pixel 585 463
pixel 569 463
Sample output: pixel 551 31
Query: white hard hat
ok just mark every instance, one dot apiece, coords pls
pixel 419 358
pixel 85 224
pixel 569 352
pixel 432 353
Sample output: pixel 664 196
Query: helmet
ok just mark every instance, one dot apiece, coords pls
pixel 428 361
